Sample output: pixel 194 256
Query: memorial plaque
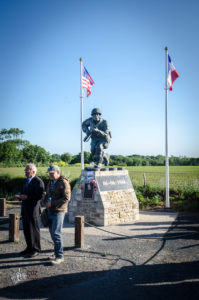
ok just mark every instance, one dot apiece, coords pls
pixel 90 175
pixel 108 183
pixel 88 191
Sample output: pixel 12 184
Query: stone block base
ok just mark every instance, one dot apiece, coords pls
pixel 104 197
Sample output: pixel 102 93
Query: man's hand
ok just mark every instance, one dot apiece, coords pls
pixel 23 197
pixel 47 204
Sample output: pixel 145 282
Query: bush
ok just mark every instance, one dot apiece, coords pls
pixel 148 191
pixel 180 199
pixel 11 186
pixel 60 163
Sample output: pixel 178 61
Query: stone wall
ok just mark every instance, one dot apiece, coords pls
pixel 104 197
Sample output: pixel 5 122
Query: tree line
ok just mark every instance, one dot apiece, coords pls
pixel 14 151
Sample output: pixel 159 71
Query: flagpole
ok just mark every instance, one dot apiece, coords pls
pixel 166 131
pixel 81 116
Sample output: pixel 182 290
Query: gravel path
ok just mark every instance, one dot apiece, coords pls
pixel 155 258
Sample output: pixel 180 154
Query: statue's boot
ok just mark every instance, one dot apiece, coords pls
pixel 106 159
pixel 99 156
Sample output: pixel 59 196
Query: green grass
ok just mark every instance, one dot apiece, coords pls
pixel 180 176
pixel 11 179
pixel 184 184
pixel 13 172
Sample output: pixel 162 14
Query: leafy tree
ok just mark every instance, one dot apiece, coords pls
pixel 87 156
pixel 145 162
pixel 137 161
pixel 129 161
pixel 9 154
pixel 160 160
pixel 77 158
pixel 16 151
pixel 55 157
pixel 35 154
pixel 12 133
pixel 10 146
pixel 67 157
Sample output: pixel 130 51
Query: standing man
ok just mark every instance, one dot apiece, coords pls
pixel 31 195
pixel 56 200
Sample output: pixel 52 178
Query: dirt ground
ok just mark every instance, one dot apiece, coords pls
pixel 155 258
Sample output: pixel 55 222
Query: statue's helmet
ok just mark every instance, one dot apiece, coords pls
pixel 96 111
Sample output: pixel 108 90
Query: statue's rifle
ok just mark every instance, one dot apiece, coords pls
pixel 88 136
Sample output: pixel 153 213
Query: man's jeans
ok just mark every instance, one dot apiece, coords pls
pixel 56 220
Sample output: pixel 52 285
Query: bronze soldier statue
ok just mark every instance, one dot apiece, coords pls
pixel 97 129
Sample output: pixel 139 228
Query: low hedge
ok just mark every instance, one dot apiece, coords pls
pixel 186 199
pixel 11 186
pixel 149 197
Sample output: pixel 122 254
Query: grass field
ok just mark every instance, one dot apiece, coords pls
pixel 14 172
pixel 180 176
pixel 184 184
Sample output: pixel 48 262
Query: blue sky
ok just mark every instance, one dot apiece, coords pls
pixel 122 46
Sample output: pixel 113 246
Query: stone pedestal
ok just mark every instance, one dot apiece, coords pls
pixel 104 197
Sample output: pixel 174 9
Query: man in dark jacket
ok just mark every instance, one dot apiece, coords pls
pixel 32 193
pixel 58 194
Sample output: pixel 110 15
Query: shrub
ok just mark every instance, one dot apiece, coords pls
pixel 181 198
pixel 11 186
pixel 60 163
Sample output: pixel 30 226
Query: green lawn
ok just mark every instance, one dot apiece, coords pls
pixel 180 176
pixel 184 184
pixel 13 172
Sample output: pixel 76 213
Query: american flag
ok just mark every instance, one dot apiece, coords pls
pixel 87 81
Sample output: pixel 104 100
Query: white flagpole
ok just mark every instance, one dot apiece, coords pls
pixel 81 116
pixel 166 131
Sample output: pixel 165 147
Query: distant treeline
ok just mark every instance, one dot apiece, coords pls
pixel 14 151
pixel 146 160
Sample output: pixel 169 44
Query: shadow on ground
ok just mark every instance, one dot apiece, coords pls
pixel 160 281
pixel 146 281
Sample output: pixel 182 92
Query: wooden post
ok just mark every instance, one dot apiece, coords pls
pixel 79 232
pixel 2 207
pixel 144 176
pixel 14 227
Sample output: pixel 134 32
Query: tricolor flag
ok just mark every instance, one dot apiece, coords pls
pixel 172 73
pixel 87 81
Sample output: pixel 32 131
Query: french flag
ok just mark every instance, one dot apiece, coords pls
pixel 172 73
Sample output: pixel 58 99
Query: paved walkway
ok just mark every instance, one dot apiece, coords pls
pixel 156 257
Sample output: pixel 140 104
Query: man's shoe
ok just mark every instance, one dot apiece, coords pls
pixel 57 261
pixel 24 252
pixel 52 257
pixel 32 254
